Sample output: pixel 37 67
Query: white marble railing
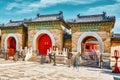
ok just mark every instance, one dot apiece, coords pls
pixel 29 54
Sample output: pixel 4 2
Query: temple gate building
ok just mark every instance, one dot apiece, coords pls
pixel 46 31
pixel 83 34
pixel 92 32
pixel 40 33
pixel 13 35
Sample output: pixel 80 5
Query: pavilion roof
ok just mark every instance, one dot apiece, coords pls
pixel 92 18
pixel 48 17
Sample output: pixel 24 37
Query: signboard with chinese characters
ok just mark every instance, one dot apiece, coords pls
pixel 89 28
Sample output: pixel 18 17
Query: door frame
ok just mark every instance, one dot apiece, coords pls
pixel 9 42
pixel 5 42
pixel 39 33
pixel 93 34
pixel 38 42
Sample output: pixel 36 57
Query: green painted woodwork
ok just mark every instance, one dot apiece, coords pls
pixel 40 27
pixel 44 25
pixel 90 28
pixel 11 30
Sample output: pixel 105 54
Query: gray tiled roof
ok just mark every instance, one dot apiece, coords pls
pixel 39 18
pixel 92 18
pixel 59 16
pixel 49 17
pixel 13 23
pixel 116 35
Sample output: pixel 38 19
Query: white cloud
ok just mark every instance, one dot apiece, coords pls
pixel 53 2
pixel 118 0
pixel 32 6
pixel 110 9
pixel 117 26
pixel 15 5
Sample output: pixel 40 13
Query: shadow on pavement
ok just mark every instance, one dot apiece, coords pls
pixel 104 71
pixel 108 71
pixel 116 78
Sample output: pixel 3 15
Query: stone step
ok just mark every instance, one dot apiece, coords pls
pixel 34 59
pixel 59 59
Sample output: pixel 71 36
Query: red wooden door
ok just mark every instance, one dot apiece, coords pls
pixel 11 46
pixel 44 44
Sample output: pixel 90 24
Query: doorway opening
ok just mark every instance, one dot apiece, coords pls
pixel 43 43
pixel 11 46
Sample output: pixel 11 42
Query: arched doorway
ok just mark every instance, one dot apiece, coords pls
pixel 43 43
pixel 92 34
pixel 37 35
pixel 90 44
pixel 11 46
pixel 90 51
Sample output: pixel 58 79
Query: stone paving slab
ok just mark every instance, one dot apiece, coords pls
pixel 35 71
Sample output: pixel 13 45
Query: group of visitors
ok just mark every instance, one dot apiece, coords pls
pixel 74 60
pixel 17 55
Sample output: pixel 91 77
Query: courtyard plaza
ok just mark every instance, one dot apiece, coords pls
pixel 26 70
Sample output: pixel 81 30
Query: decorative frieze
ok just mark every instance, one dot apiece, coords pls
pixel 40 27
pixel 90 28
pixel 11 30
pixel 43 25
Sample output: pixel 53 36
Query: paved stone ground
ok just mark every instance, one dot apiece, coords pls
pixel 10 70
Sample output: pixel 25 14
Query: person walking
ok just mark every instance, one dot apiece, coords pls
pixel 69 59
pixel 76 61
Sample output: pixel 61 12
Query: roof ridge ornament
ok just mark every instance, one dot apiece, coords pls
pixel 104 13
pixel 38 14
pixel 60 12
pixel 78 15
pixel 60 15
pixel 11 21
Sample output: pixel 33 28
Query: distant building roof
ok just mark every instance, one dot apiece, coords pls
pixel 59 16
pixel 92 18
pixel 115 35
pixel 49 17
pixel 13 23
pixel 39 18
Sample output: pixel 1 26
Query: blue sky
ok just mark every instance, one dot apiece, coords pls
pixel 20 9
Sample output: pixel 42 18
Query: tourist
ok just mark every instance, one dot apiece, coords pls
pixel 69 56
pixel 76 61
pixel 15 58
pixel 41 61
pixel 50 56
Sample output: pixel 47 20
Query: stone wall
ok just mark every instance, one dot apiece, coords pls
pixel 75 37
pixel 58 36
